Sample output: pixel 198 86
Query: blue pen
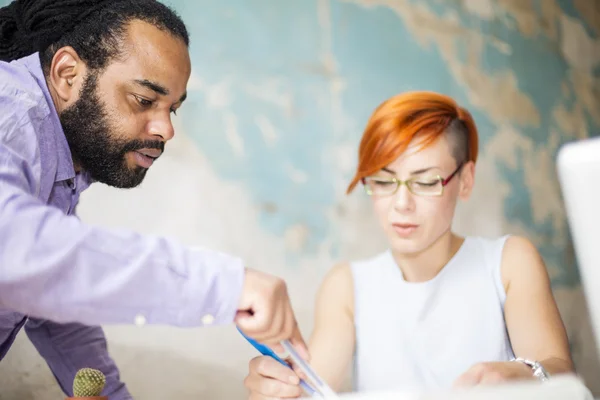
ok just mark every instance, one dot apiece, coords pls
pixel 266 351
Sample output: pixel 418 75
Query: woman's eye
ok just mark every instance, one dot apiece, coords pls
pixel 383 183
pixel 427 183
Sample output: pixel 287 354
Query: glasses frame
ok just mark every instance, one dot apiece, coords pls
pixel 400 182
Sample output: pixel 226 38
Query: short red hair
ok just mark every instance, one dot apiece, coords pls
pixel 395 123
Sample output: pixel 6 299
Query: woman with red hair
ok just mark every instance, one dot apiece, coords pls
pixel 436 310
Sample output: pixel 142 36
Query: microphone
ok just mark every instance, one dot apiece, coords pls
pixel 88 383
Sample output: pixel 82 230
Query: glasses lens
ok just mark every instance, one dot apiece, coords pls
pixel 426 186
pixel 380 186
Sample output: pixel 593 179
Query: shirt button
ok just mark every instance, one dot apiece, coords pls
pixel 208 319
pixel 140 320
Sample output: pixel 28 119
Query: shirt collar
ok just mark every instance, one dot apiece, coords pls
pixel 65 169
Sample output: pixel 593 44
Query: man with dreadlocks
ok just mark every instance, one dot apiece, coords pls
pixel 87 89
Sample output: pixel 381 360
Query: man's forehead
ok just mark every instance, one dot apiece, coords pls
pixel 155 55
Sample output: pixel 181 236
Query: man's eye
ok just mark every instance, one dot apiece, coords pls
pixel 143 102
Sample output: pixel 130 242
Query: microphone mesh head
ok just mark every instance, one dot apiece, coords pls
pixel 88 382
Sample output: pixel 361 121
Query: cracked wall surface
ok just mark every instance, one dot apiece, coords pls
pixel 283 90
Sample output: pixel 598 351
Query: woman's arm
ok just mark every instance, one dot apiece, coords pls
pixel 332 342
pixel 534 324
pixel 331 345
pixel 532 319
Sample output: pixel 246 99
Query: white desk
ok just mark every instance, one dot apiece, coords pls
pixel 558 388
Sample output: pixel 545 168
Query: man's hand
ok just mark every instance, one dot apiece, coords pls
pixel 494 373
pixel 265 312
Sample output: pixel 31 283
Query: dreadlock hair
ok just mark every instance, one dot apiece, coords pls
pixel 94 28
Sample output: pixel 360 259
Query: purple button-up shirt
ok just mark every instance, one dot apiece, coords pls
pixel 55 267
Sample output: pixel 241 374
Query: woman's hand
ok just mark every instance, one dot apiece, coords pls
pixel 494 373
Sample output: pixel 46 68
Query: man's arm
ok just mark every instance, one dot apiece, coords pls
pixel 55 267
pixel 69 347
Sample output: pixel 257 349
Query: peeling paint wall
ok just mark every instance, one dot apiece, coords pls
pixel 283 89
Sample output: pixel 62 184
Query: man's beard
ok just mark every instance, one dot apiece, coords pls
pixel 96 145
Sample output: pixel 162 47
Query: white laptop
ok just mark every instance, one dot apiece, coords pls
pixel 578 165
pixel 579 176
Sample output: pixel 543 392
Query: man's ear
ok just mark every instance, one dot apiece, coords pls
pixel 66 75
pixel 467 180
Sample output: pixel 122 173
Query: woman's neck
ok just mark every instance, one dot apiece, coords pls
pixel 425 265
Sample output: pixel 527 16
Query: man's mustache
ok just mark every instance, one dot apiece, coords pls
pixel 144 144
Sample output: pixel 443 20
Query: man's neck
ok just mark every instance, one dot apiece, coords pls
pixel 425 265
pixel 54 95
pixel 59 108
pixel 76 166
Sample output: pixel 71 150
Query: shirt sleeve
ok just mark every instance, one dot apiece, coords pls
pixel 53 266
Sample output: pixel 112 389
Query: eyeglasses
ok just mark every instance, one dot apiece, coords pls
pixel 429 186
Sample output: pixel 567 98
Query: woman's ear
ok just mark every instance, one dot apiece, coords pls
pixel 467 180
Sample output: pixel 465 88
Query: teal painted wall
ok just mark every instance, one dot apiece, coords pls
pixel 298 82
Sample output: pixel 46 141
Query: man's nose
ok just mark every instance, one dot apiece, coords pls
pixel 162 127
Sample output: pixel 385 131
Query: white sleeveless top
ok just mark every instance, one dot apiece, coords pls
pixel 415 336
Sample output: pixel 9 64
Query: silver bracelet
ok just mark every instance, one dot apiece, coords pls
pixel 538 369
